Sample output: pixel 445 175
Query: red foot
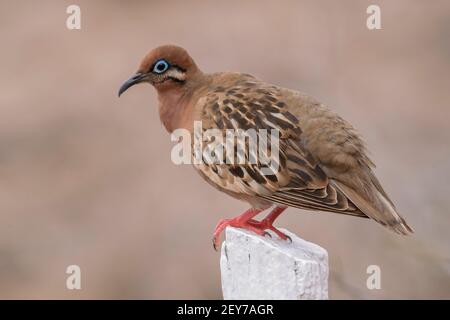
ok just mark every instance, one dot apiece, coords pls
pixel 238 222
pixel 246 221
pixel 267 223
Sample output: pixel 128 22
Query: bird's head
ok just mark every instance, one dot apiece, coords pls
pixel 166 67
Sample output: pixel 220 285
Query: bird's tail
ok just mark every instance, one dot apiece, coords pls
pixel 396 222
pixel 375 203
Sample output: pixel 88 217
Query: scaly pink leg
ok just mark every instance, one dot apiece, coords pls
pixel 241 221
pixel 267 222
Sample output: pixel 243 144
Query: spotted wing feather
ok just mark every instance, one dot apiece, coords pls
pixel 299 181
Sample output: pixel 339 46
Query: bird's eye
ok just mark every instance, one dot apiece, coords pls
pixel 161 66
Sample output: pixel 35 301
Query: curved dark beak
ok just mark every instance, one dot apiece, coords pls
pixel 135 79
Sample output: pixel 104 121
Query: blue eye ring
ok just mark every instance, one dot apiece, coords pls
pixel 160 66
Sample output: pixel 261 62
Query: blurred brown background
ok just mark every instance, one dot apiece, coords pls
pixel 86 178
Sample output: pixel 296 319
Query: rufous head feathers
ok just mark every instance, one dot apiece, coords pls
pixel 164 67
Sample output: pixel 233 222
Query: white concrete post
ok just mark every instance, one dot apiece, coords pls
pixel 255 267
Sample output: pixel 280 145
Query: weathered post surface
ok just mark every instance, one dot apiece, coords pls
pixel 255 267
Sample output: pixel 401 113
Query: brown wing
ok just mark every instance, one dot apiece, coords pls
pixel 343 157
pixel 299 182
pixel 310 191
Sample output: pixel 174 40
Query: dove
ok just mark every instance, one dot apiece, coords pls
pixel 322 160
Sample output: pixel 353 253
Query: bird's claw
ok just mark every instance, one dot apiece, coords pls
pixel 214 244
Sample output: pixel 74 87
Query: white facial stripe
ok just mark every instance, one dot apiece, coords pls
pixel 177 74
